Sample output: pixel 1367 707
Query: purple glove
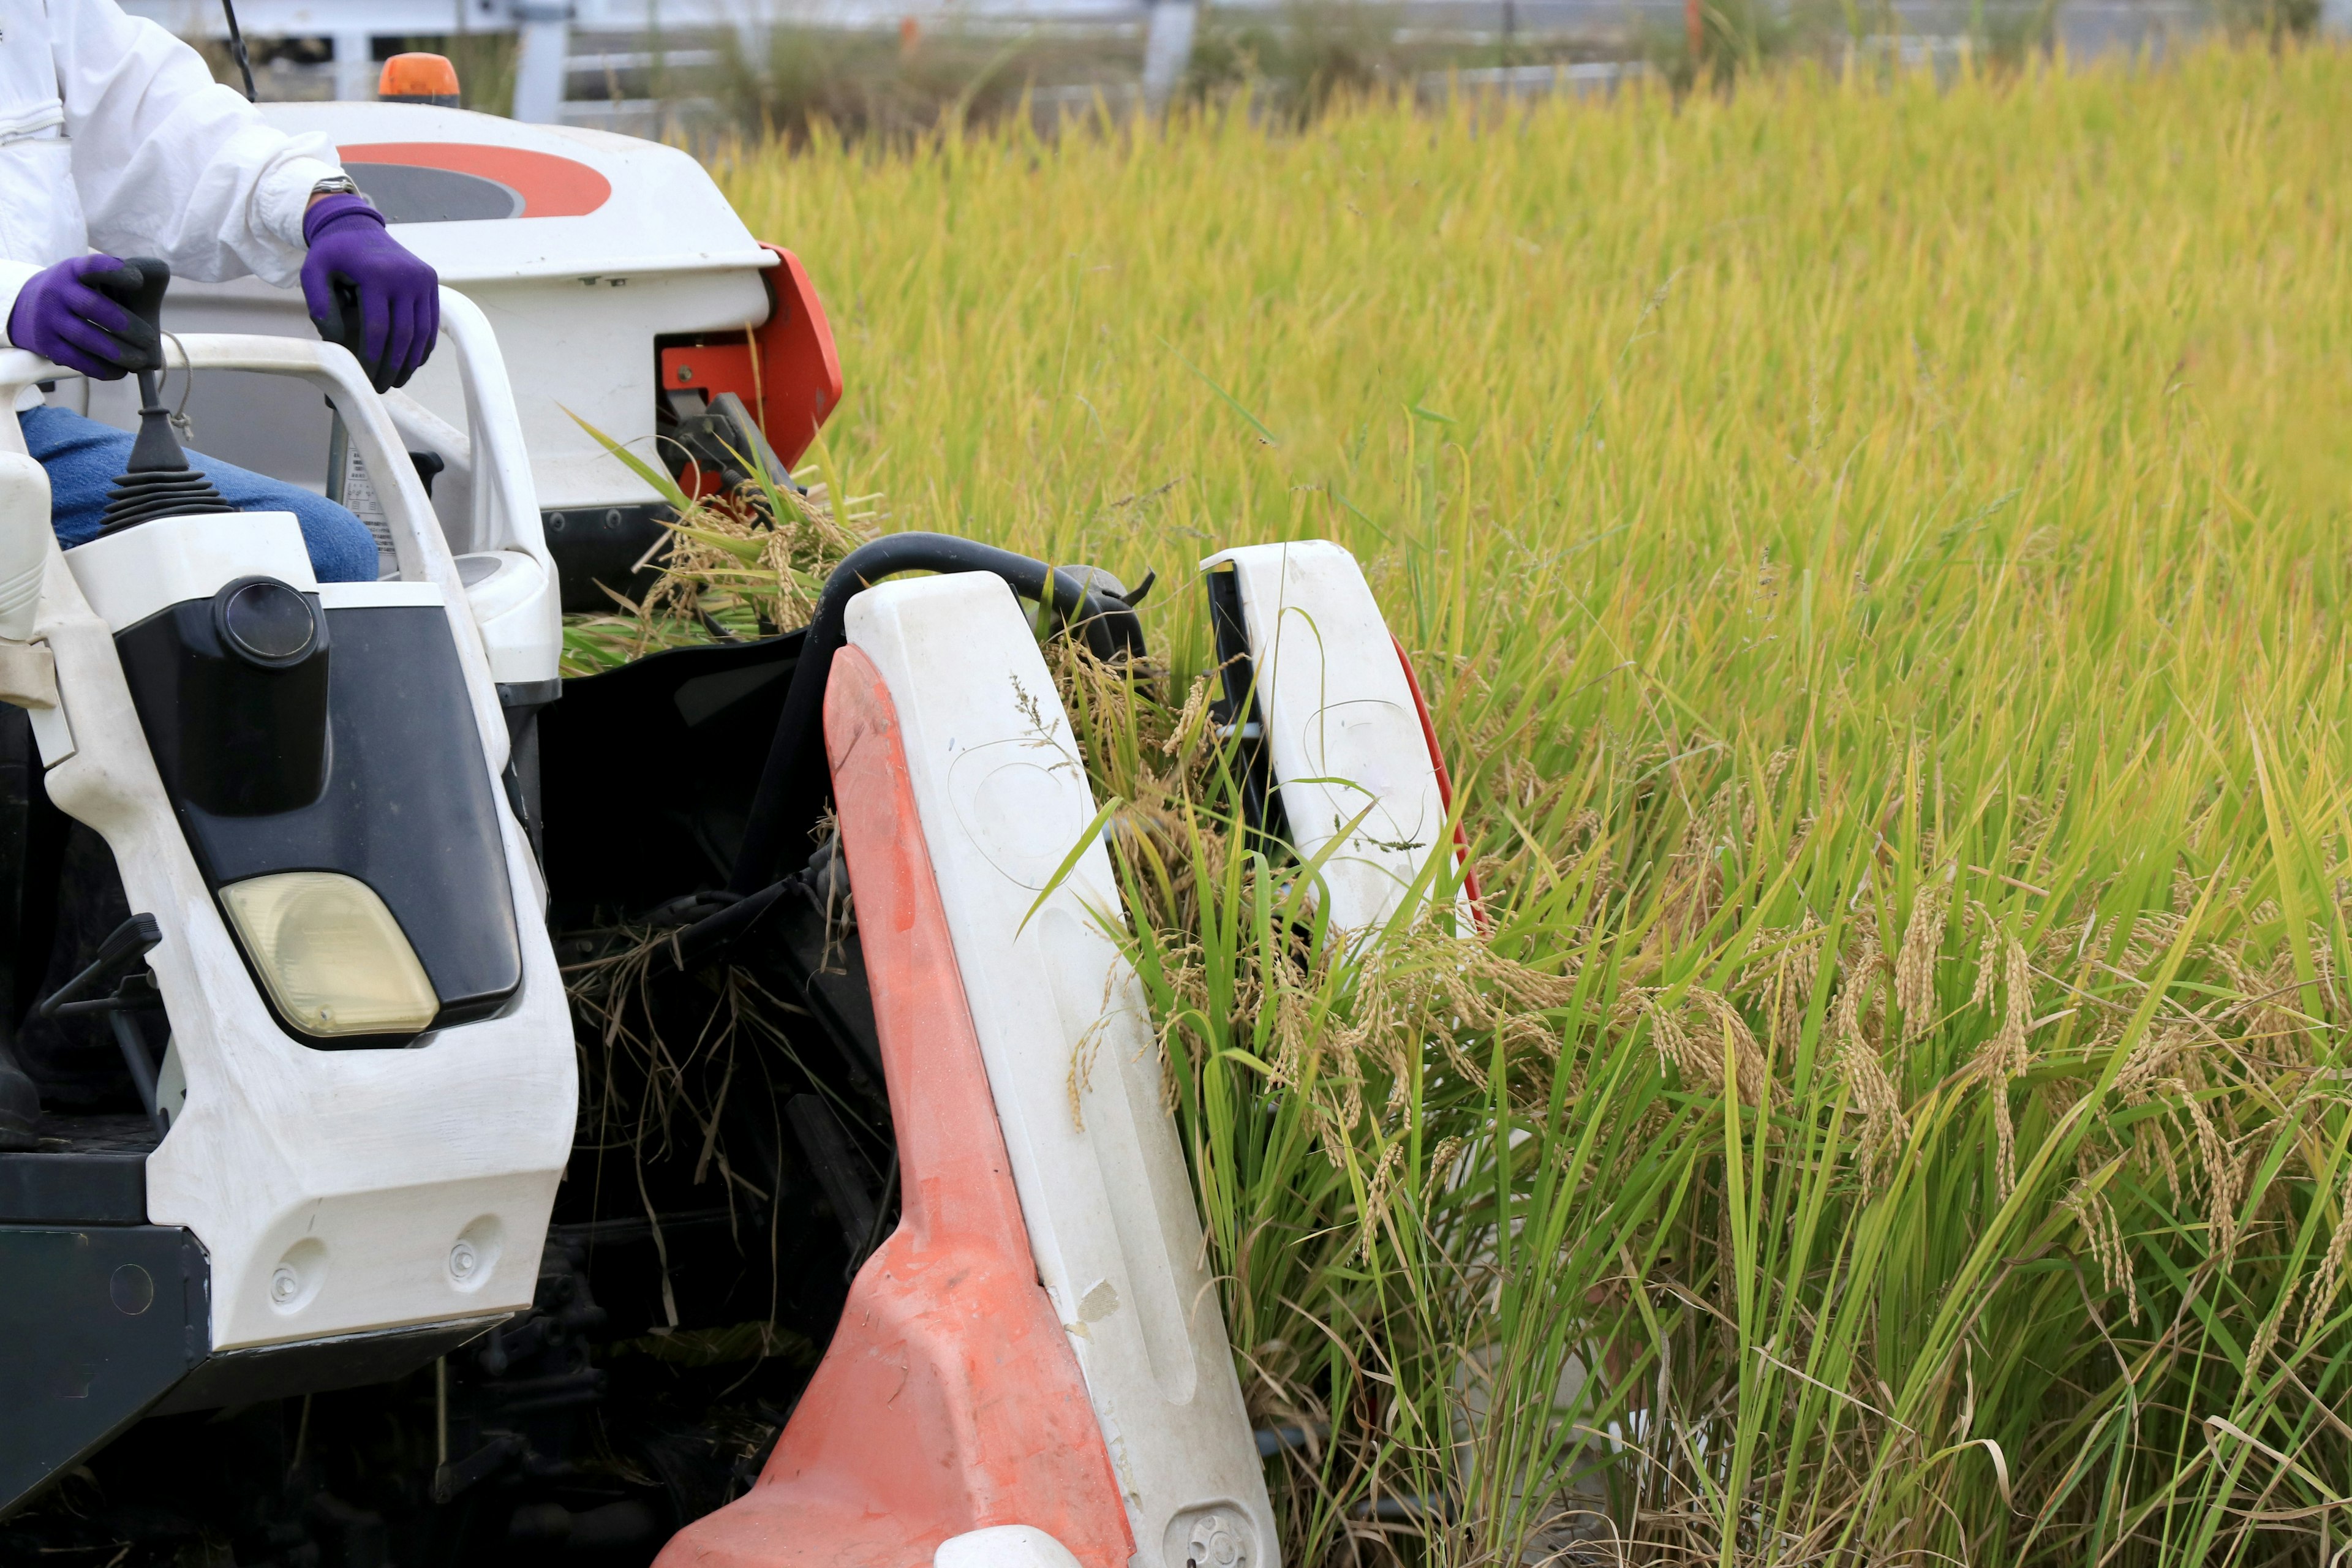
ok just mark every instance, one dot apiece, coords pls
pixel 67 313
pixel 367 292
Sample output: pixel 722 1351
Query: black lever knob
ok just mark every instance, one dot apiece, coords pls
pixel 156 481
pixel 144 299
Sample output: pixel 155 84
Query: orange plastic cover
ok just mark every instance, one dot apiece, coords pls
pixel 788 373
pixel 949 1400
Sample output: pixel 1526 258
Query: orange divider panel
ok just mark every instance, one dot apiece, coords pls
pixel 949 1399
pixel 798 364
pixel 792 384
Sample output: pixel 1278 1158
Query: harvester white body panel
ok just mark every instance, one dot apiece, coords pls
pixel 130 578
pixel 337 1192
pixel 586 247
pixel 1357 780
pixel 1072 1060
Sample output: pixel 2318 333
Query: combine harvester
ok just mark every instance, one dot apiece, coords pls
pixel 362 1259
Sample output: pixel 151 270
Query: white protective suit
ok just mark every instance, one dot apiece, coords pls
pixel 113 136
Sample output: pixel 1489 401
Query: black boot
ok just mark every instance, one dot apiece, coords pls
pixel 20 1105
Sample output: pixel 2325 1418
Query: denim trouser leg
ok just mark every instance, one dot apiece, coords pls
pixel 85 457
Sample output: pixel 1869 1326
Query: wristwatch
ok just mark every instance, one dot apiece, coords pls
pixel 338 186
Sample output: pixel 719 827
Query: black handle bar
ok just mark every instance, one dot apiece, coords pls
pixel 794 782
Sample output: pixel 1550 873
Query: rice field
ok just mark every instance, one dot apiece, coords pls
pixel 1878 555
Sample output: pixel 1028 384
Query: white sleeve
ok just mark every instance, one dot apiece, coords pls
pixel 14 276
pixel 172 164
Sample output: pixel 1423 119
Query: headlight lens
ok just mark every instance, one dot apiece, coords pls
pixel 331 954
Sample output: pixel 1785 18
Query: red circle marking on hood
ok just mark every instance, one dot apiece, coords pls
pixel 549 186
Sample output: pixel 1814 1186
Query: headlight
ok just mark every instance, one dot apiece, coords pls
pixel 331 954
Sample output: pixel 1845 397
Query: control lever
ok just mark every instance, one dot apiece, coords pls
pixel 157 481
pixel 347 328
pixel 128 943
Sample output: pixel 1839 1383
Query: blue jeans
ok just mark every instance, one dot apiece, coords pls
pixel 85 457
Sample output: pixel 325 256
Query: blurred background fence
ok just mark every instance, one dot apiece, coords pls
pixel 700 70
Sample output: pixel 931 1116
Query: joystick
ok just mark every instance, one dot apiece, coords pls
pixel 157 482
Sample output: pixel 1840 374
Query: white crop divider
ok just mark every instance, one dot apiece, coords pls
pixel 1002 797
pixel 1342 730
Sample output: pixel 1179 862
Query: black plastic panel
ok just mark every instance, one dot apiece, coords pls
pixel 634 822
pixel 597 547
pixel 407 805
pixel 90 1169
pixel 230 735
pixel 1237 711
pixel 96 1324
pixel 321 1366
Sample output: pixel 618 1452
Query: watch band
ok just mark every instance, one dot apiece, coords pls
pixel 336 186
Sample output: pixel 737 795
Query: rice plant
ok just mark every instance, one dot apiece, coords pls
pixel 1877 554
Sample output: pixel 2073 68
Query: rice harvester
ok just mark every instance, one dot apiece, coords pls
pixel 803 1240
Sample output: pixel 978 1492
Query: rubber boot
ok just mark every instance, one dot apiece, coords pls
pixel 20 1105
